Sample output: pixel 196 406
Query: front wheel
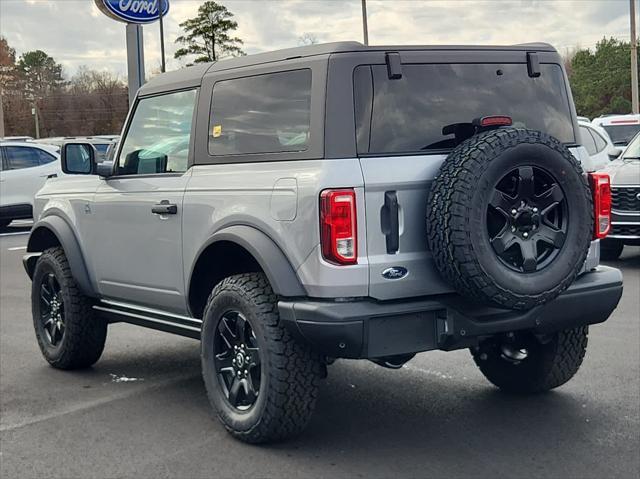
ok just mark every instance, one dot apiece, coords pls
pixel 524 363
pixel 261 381
pixel 69 333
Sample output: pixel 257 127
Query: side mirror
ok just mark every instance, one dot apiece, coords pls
pixel 614 153
pixel 78 158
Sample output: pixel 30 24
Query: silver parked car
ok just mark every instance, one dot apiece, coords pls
pixel 625 202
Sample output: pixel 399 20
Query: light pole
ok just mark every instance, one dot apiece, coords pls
pixel 163 66
pixel 634 58
pixel 365 28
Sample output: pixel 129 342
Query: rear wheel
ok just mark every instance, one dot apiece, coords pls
pixel 610 249
pixel 524 363
pixel 69 333
pixel 261 381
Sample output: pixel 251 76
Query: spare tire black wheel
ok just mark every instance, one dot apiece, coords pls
pixel 510 218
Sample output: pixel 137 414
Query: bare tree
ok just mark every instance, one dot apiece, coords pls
pixel 307 39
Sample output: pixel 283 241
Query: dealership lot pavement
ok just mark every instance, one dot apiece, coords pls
pixel 142 411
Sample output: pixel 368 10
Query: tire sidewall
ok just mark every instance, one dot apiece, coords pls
pixel 578 235
pixel 47 264
pixel 224 301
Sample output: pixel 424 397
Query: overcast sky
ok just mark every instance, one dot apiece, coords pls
pixel 76 33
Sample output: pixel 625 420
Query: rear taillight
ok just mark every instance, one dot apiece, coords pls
pixel 601 190
pixel 338 230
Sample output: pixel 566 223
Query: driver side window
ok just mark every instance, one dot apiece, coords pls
pixel 158 137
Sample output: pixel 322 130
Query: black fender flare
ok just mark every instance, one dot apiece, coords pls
pixel 67 239
pixel 266 252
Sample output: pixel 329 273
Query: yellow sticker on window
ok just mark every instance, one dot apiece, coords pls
pixel 217 131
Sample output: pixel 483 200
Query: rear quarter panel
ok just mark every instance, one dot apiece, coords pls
pixel 281 199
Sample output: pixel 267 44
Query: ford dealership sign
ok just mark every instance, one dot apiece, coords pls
pixel 133 11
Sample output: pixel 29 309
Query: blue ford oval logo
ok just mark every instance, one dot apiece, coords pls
pixel 395 272
pixel 133 11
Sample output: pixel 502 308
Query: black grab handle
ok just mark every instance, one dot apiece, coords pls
pixel 164 208
pixel 390 221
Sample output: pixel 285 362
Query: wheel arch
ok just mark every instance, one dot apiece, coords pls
pixel 234 250
pixel 53 231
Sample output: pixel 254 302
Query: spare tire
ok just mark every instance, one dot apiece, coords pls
pixel 510 218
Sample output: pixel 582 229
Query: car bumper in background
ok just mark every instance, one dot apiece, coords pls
pixel 370 329
pixel 625 226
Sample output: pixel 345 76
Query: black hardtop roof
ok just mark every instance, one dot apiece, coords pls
pixel 192 76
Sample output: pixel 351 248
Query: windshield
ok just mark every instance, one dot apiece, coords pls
pixel 410 113
pixel 633 150
pixel 622 134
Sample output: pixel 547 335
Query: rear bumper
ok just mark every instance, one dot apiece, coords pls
pixel 370 329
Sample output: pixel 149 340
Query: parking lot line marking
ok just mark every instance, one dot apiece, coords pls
pixel 34 419
pixel 16 233
pixel 17 248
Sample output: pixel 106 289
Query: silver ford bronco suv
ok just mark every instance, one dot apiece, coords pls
pixel 333 201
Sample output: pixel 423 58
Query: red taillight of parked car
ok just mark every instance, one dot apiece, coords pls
pixel 338 229
pixel 601 190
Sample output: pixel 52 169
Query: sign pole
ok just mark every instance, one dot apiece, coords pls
pixel 635 108
pixel 1 116
pixel 135 59
pixel 365 27
pixel 160 16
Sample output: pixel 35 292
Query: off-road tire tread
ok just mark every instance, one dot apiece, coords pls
pixel 450 199
pixel 560 363
pixel 295 379
pixel 85 332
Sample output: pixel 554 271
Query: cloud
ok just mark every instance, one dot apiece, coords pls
pixel 76 33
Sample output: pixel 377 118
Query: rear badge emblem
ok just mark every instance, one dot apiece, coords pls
pixel 395 272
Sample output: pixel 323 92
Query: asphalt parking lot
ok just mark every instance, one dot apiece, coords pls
pixel 142 410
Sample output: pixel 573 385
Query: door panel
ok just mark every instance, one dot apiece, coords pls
pixel 136 244
pixel 137 254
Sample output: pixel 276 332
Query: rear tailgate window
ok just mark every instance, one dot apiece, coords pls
pixel 622 134
pixel 407 115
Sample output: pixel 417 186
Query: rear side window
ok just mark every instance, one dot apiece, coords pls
pixel 267 113
pixel 587 140
pixel 19 157
pixel 409 114
pixel 45 157
pixel 601 144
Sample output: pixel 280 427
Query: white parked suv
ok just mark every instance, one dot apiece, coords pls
pixel 598 144
pixel 24 168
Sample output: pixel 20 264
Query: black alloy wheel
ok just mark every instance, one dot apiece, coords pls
pixel 510 218
pixel 237 360
pixel 52 309
pixel 527 219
